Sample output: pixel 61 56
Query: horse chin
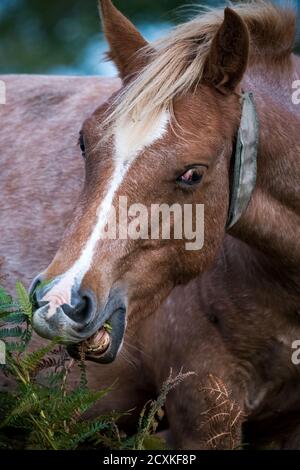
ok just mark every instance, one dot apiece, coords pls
pixel 104 345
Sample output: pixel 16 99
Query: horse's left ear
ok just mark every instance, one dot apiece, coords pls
pixel 123 38
pixel 228 56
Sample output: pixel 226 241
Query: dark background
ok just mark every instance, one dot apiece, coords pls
pixel 64 36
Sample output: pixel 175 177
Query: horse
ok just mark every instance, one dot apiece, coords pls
pixel 178 113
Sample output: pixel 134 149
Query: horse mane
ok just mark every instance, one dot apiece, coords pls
pixel 175 64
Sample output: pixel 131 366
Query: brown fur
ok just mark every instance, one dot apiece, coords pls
pixel 124 39
pixel 228 58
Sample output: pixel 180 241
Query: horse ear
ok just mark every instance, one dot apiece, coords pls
pixel 123 38
pixel 228 56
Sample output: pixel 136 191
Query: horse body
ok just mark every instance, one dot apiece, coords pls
pixel 214 331
pixel 236 321
pixel 41 165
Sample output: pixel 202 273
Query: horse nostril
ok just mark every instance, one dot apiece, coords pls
pixel 75 312
pixel 81 309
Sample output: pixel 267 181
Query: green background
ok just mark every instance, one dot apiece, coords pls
pixel 64 36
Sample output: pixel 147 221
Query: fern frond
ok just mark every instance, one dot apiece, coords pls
pixel 25 405
pixel 31 361
pixel 5 298
pixel 6 308
pixel 81 432
pixel 221 426
pixel 148 419
pixel 11 332
pixel 12 317
pixel 48 363
pixel 24 300
pixel 15 347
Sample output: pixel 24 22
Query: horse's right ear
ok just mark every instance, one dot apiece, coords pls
pixel 228 56
pixel 123 38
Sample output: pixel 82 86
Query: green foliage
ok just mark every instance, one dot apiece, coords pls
pixel 42 410
pixel 24 300
pixel 152 412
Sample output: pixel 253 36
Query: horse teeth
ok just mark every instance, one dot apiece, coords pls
pixel 99 342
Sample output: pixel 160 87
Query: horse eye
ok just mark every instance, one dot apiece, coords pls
pixel 191 176
pixel 81 144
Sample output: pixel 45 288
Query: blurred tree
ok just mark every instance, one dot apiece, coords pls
pixel 63 36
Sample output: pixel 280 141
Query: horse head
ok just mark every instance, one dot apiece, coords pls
pixel 165 138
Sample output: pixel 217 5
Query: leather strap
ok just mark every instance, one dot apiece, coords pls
pixel 245 161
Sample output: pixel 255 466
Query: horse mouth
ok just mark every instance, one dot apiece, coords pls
pixel 97 344
pixel 103 345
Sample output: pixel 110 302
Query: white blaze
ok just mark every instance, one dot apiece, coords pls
pixel 130 140
pixel 132 137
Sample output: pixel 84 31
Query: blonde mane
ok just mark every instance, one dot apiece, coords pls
pixel 175 64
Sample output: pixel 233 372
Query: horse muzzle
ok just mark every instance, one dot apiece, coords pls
pixel 88 331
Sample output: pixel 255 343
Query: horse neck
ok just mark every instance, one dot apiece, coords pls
pixel 271 222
